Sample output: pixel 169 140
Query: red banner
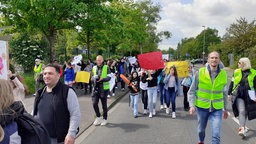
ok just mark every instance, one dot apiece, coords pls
pixel 151 60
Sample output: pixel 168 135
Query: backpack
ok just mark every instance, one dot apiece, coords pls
pixel 31 130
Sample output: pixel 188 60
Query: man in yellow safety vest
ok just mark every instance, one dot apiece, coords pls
pixel 208 97
pixel 100 79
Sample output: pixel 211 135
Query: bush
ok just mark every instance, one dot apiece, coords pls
pixel 26 48
pixel 29 82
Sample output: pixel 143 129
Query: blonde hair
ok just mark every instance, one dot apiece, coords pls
pixel 247 63
pixel 1 133
pixel 6 94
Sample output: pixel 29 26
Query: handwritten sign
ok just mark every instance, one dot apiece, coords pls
pixel 3 60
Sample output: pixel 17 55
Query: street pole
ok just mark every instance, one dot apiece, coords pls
pixel 203 44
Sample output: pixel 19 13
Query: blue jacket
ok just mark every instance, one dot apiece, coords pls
pixel 177 85
pixel 7 121
pixel 69 74
pixel 11 134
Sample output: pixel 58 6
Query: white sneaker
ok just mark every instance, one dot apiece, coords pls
pixel 165 106
pixel 246 129
pixel 145 112
pixel 109 96
pixel 154 112
pixel 241 132
pixel 167 110
pixel 105 122
pixel 113 94
pixel 97 121
pixel 173 115
pixel 150 115
pixel 161 107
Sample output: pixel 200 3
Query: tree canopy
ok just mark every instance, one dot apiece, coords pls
pixel 116 26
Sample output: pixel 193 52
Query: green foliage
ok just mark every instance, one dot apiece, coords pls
pixel 109 27
pixel 26 48
pixel 240 39
pixel 194 46
pixel 43 16
pixel 29 82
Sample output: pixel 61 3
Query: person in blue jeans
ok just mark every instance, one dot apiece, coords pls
pixel 171 87
pixel 160 82
pixel 151 78
pixel 134 93
pixel 208 97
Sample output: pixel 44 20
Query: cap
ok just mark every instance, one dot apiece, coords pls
pixel 37 60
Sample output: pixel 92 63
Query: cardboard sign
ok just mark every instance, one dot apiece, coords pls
pixel 181 66
pixel 3 60
pixel 83 76
pixel 151 61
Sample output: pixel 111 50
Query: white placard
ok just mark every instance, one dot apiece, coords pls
pixel 165 56
pixel 132 60
pixel 3 60
pixel 252 94
pixel 77 59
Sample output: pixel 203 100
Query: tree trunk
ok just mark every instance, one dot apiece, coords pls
pixel 88 42
pixel 51 39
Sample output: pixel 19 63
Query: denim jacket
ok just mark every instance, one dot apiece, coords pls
pixel 166 81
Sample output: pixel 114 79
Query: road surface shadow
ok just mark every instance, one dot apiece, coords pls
pixel 127 127
pixel 250 134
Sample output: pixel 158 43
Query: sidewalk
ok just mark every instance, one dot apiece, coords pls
pixel 87 111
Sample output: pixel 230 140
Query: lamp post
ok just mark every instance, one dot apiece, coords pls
pixel 203 44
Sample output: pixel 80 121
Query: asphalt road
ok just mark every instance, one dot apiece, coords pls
pixel 123 128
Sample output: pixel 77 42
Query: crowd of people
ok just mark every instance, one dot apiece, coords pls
pixel 56 106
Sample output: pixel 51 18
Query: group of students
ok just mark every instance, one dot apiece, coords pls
pixel 150 82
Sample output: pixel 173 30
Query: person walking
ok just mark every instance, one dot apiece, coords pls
pixel 151 78
pixel 208 97
pixel 37 71
pixel 123 69
pixel 144 93
pixel 113 70
pixel 186 83
pixel 171 88
pixel 69 75
pixel 244 81
pixel 56 106
pixel 9 110
pixel 160 83
pixel 134 95
pixel 100 79
pixel 88 85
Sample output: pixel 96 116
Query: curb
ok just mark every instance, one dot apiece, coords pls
pixel 109 107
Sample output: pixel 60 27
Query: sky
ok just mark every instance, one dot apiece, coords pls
pixel 186 18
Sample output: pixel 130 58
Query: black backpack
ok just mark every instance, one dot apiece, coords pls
pixel 31 130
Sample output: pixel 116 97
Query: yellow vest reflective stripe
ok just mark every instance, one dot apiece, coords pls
pixel 210 92
pixel 104 74
pixel 238 77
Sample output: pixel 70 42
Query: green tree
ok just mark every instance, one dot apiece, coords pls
pixel 152 17
pixel 26 48
pixel 45 16
pixel 240 40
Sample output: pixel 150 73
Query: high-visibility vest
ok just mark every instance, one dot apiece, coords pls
pixel 37 70
pixel 210 92
pixel 238 77
pixel 104 74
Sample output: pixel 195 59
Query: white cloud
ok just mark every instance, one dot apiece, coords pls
pixel 185 19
